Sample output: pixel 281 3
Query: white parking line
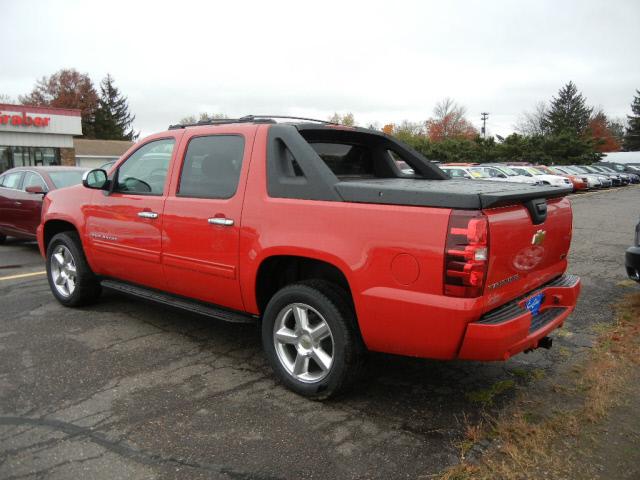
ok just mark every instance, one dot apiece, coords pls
pixel 22 275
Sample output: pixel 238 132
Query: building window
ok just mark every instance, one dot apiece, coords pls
pixel 28 157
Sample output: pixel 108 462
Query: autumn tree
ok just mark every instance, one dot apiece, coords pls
pixel 113 120
pixel 67 88
pixel 347 119
pixel 568 112
pixel 604 139
pixel 449 122
pixel 632 134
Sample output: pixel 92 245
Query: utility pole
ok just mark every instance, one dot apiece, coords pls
pixel 484 116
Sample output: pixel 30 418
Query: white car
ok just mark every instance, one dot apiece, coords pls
pixel 555 180
pixel 470 172
pixel 507 173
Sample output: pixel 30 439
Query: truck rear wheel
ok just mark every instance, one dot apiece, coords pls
pixel 310 339
pixel 71 280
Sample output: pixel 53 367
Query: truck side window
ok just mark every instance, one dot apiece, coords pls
pixel 212 166
pixel 145 171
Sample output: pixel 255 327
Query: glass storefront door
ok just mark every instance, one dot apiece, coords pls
pixel 28 157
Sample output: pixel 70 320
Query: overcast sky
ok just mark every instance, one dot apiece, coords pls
pixel 383 61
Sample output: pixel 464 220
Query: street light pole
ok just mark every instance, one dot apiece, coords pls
pixel 484 116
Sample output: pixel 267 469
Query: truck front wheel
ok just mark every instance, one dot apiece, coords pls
pixel 310 339
pixel 71 280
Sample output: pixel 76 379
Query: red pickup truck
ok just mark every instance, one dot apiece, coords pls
pixel 314 231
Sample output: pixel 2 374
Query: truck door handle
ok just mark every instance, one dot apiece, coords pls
pixel 225 222
pixel 146 214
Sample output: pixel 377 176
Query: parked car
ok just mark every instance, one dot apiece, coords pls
pixel 469 172
pixel 510 174
pixel 632 257
pixel 631 170
pixel 545 178
pixel 603 180
pixel 579 183
pixel 313 231
pixel 21 192
pixel 625 177
pixel 616 180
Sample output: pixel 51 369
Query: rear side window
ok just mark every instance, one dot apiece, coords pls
pixel 12 180
pixel 212 167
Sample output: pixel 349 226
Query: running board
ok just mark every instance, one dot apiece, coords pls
pixel 182 303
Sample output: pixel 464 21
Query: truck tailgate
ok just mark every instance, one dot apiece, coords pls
pixel 522 255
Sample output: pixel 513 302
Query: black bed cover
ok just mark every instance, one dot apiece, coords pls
pixel 459 194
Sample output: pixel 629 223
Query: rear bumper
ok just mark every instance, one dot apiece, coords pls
pixel 632 262
pixel 511 329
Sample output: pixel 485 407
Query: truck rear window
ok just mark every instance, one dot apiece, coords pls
pixel 345 160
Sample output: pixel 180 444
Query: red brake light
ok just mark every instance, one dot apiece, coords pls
pixel 466 254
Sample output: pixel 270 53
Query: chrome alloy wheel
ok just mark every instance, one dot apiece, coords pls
pixel 63 270
pixel 303 342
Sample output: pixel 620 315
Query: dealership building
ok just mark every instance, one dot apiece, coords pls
pixel 40 136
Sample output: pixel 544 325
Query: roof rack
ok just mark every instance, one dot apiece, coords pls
pixel 247 119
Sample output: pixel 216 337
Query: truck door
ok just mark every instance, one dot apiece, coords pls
pixel 123 228
pixel 201 237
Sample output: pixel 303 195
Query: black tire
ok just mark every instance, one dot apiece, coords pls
pixel 86 286
pixel 3 238
pixel 348 351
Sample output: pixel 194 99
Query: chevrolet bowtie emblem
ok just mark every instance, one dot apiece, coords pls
pixel 538 237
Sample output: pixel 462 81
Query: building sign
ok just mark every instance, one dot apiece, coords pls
pixel 24 120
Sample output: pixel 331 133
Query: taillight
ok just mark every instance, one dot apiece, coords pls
pixel 466 254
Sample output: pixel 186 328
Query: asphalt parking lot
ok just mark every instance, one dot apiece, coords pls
pixel 126 389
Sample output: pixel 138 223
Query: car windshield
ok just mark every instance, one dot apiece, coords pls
pixel 535 171
pixel 66 178
pixel 522 171
pixel 455 172
pixel 591 169
pixel 507 171
pixel 578 169
pixel 616 166
pixel 478 173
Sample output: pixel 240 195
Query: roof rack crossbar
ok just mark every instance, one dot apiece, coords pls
pixel 246 119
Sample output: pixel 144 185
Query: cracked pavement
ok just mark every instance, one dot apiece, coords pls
pixel 128 389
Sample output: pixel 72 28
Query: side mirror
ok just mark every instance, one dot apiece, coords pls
pixel 96 179
pixel 35 189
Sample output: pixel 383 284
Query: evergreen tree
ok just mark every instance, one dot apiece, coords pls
pixel 113 120
pixel 568 112
pixel 632 135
